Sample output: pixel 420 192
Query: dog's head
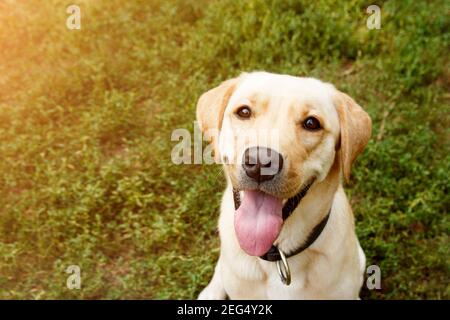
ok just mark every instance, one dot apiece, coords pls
pixel 278 132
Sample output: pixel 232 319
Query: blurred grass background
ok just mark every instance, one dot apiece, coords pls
pixel 86 117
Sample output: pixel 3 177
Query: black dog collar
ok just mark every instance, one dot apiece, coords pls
pixel 291 204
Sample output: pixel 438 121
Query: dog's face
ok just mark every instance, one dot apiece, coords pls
pixel 286 124
pixel 278 132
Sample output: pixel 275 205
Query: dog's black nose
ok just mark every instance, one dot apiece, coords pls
pixel 262 164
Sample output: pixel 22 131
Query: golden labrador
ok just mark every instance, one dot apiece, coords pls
pixel 286 227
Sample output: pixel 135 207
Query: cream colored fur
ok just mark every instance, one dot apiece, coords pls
pixel 332 267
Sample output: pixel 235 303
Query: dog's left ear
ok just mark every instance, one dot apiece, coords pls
pixel 356 128
pixel 211 106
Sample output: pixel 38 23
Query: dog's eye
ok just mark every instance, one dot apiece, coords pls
pixel 244 112
pixel 311 124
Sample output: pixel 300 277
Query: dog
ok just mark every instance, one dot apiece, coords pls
pixel 286 228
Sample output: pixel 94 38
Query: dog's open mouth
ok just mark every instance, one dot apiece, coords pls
pixel 258 221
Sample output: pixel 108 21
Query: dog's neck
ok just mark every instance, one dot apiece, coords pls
pixel 312 209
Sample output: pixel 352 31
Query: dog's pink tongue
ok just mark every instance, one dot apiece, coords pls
pixel 258 222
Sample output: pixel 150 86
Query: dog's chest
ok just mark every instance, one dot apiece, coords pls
pixel 260 280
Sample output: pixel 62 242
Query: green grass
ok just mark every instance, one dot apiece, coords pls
pixel 86 117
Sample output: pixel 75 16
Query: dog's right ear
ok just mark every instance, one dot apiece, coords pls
pixel 211 106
